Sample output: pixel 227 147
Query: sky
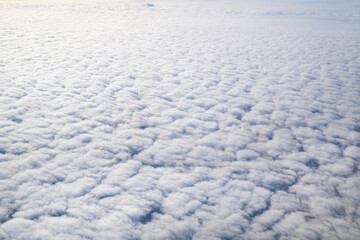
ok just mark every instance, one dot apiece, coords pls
pixel 179 119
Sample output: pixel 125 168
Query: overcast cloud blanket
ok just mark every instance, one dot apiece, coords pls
pixel 179 119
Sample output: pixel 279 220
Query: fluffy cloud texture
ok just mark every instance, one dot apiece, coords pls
pixel 179 120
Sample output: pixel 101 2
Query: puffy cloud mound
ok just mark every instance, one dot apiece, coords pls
pixel 179 120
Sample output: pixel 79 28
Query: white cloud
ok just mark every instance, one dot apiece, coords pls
pixel 179 120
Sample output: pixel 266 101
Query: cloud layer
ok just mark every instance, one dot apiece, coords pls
pixel 179 120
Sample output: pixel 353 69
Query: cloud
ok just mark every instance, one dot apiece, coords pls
pixel 179 120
